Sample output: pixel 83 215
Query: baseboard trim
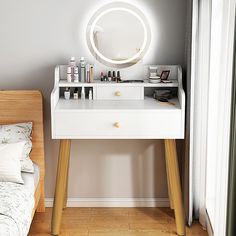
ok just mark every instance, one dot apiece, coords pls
pixel 113 202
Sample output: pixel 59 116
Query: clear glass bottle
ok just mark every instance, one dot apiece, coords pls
pixel 82 94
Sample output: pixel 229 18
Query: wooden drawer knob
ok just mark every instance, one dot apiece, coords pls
pixel 117 93
pixel 117 125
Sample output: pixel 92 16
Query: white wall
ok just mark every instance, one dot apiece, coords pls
pixel 37 35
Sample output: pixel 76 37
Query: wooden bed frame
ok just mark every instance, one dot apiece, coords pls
pixel 23 106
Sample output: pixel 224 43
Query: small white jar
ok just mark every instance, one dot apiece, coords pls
pixel 90 94
pixel 67 94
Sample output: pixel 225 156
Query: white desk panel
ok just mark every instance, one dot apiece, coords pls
pixel 146 119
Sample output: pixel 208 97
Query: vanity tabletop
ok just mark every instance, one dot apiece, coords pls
pixel 132 105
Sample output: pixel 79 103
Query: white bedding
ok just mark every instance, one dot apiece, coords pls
pixel 31 180
pixel 16 205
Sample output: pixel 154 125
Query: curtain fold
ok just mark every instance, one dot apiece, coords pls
pixel 187 87
pixel 231 213
pixel 200 69
pixel 211 76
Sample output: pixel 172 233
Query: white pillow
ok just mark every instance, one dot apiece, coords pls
pixel 10 168
pixel 15 133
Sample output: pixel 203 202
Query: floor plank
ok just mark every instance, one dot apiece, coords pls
pixel 112 222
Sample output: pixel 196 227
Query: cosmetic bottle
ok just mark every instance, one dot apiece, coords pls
pixel 69 77
pixel 87 73
pixel 76 93
pixel 91 73
pixel 82 70
pixel 102 76
pixel 72 62
pixel 109 76
pixel 67 93
pixel 76 74
pixel 82 94
pixel 113 76
pixel 72 65
pixel 118 79
pixel 90 94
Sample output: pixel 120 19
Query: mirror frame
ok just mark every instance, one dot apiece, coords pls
pixel 114 7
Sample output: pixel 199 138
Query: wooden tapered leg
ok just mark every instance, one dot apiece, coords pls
pixel 62 167
pixel 169 187
pixel 66 191
pixel 175 187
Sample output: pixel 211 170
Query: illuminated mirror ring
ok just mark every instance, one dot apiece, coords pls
pixel 109 9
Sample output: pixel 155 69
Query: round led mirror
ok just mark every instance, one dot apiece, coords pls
pixel 118 34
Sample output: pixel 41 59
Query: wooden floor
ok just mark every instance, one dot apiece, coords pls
pixel 112 222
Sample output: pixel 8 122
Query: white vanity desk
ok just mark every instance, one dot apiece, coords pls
pixel 118 111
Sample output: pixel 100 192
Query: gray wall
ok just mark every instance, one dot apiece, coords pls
pixel 37 35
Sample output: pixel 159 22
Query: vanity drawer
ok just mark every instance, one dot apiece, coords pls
pixel 118 124
pixel 119 93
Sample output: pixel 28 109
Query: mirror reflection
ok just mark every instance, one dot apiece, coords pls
pixel 118 35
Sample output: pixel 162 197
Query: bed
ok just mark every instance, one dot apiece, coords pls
pixel 18 203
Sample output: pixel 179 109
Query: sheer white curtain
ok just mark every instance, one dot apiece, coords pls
pixel 201 24
pixel 212 60
pixel 220 85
